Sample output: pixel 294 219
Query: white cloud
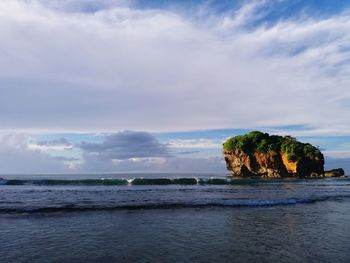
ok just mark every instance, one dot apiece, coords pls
pixel 202 143
pixel 47 148
pixel 337 154
pixel 17 157
pixel 160 165
pixel 124 68
pixel 56 145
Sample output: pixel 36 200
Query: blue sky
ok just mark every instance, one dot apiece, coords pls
pixel 80 80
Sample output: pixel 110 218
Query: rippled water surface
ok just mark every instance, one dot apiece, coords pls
pixel 173 218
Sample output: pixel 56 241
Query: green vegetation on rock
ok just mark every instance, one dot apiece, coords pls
pixel 257 141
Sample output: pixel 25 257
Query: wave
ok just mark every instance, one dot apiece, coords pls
pixel 169 181
pixel 149 206
pixel 49 182
pixel 135 181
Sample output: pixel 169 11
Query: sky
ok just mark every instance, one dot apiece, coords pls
pixel 90 86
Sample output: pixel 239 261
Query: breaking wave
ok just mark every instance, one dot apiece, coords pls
pixel 135 181
pixel 167 181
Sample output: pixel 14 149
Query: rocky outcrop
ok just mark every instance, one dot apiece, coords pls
pixel 258 154
pixel 271 164
pixel 334 173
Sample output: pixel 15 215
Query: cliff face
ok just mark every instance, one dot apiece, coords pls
pixel 272 164
pixel 261 154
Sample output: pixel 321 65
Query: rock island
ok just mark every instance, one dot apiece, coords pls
pixel 258 154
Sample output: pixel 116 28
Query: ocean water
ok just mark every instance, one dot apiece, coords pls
pixel 173 218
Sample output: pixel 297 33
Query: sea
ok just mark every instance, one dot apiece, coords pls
pixel 173 218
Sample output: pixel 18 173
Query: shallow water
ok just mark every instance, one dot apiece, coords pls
pixel 230 221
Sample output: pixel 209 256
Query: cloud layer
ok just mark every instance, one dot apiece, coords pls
pixel 16 157
pixel 106 65
pixel 127 151
pixel 131 151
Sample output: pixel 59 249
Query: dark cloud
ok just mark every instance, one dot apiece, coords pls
pixel 126 145
pixel 188 152
pixel 55 142
pixel 133 151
